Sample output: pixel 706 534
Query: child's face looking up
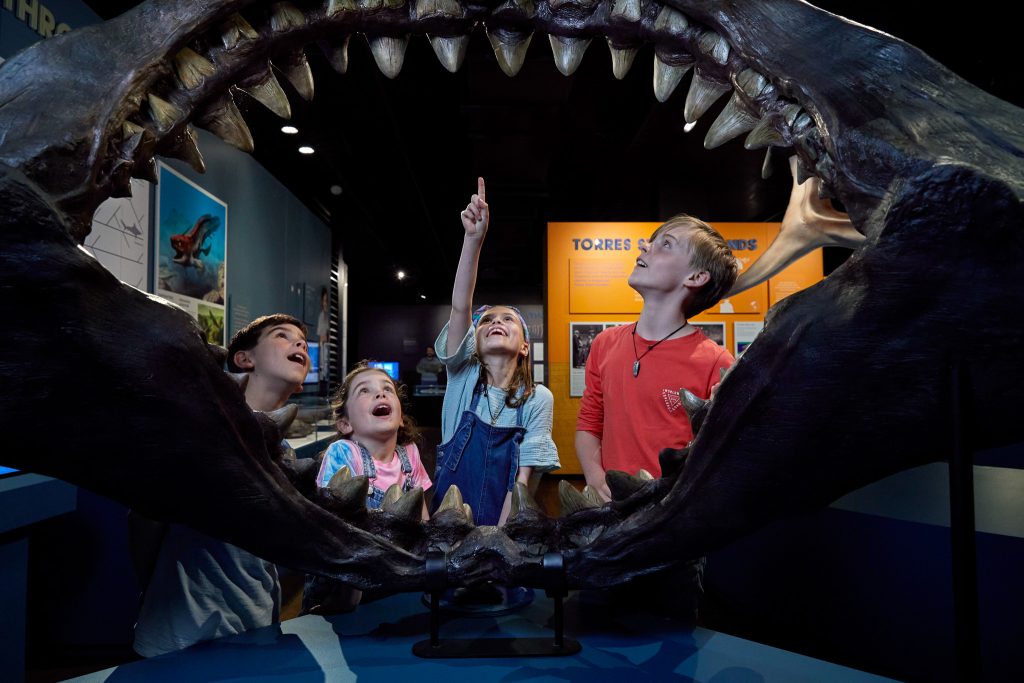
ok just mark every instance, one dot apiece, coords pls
pixel 281 353
pixel 500 331
pixel 372 408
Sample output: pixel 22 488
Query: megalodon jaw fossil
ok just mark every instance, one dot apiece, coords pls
pixel 848 382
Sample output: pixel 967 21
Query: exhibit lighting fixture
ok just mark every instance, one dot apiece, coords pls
pixel 400 275
pixel 305 149
pixel 423 296
pixel 289 130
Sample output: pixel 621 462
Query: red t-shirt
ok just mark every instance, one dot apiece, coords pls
pixel 636 417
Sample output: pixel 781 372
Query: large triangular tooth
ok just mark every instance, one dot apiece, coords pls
pixel 408 505
pixel 714 46
pixel 509 49
pixel 165 115
pixel 467 512
pixel 622 59
pixel 593 496
pixel 450 50
pixel 237 30
pixel 225 121
pixel 336 53
pixel 764 134
pixel 667 77
pixel 703 93
pixel 670 20
pixel 339 6
pixel 692 403
pixel 284 416
pixel 342 475
pixel 389 53
pixel 571 500
pixel 391 496
pixel 192 68
pixel 522 502
pixel 182 144
pixel 626 10
pixel 623 485
pixel 145 169
pixel 265 89
pixel 284 16
pixel 766 165
pixel 644 475
pixel 452 500
pixel 349 493
pixel 802 122
pixel 733 121
pixel 568 52
pixel 295 68
pixel 752 83
pixel 448 9
pixel 138 142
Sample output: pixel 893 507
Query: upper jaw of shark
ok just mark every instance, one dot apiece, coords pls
pixel 851 116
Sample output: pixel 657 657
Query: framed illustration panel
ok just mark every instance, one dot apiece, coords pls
pixel 191 251
pixel 581 336
pixel 714 331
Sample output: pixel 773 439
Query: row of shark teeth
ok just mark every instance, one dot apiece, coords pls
pixel 682 45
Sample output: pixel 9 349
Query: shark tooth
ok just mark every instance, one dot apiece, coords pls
pixel 239 378
pixel 509 49
pixel 626 10
pixel 225 121
pixel 295 68
pixel 568 52
pixel 450 51
pixel 522 502
pixel 452 500
pixel 138 142
pixel 623 485
pixel 622 59
pixel 145 169
pixel 572 500
pixel 695 407
pixel 714 46
pixel 448 9
pixel 790 112
pixel 350 493
pixel 593 496
pixel 733 121
pixel 671 20
pixel 389 53
pixel 667 77
pixel 764 134
pixel 408 505
pixel 237 30
pixel 467 512
pixel 283 416
pixel 519 9
pixel 164 114
pixel 342 475
pixel 284 16
pixel 339 6
pixel 703 93
pixel 192 68
pixel 181 144
pixel 265 89
pixel 752 83
pixel 766 165
pixel 644 475
pixel 336 53
pixel 391 496
pixel 802 122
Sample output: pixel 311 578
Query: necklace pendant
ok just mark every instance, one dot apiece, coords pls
pixel 636 368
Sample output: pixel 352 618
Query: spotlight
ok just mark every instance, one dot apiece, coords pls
pixel 289 130
pixel 305 149
pixel 336 190
pixel 423 296
pixel 400 275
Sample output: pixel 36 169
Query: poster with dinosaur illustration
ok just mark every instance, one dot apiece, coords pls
pixel 191 264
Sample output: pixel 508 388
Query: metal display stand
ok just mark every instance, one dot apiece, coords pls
pixel 453 648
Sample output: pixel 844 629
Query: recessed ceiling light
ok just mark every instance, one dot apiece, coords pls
pixel 335 190
pixel 423 296
pixel 400 275
pixel 289 130
pixel 305 149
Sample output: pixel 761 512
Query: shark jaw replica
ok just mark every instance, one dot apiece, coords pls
pixel 848 383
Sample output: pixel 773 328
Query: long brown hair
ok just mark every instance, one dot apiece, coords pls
pixel 408 432
pixel 522 376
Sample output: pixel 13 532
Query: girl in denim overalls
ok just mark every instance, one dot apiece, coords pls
pixel 495 423
pixel 379 443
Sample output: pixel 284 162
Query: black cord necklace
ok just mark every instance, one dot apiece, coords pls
pixel 636 365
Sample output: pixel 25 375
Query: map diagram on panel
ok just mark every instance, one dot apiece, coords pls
pixel 120 235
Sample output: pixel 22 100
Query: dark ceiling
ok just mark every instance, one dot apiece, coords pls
pixel 406 152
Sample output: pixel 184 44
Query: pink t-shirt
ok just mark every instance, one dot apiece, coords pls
pixel 636 417
pixel 344 452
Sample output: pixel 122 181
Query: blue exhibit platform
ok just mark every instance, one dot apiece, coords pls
pixel 375 642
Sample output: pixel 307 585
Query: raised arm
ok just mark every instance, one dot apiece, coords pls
pixel 474 221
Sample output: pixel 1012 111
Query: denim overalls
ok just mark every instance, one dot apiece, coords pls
pixel 375 496
pixel 488 470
